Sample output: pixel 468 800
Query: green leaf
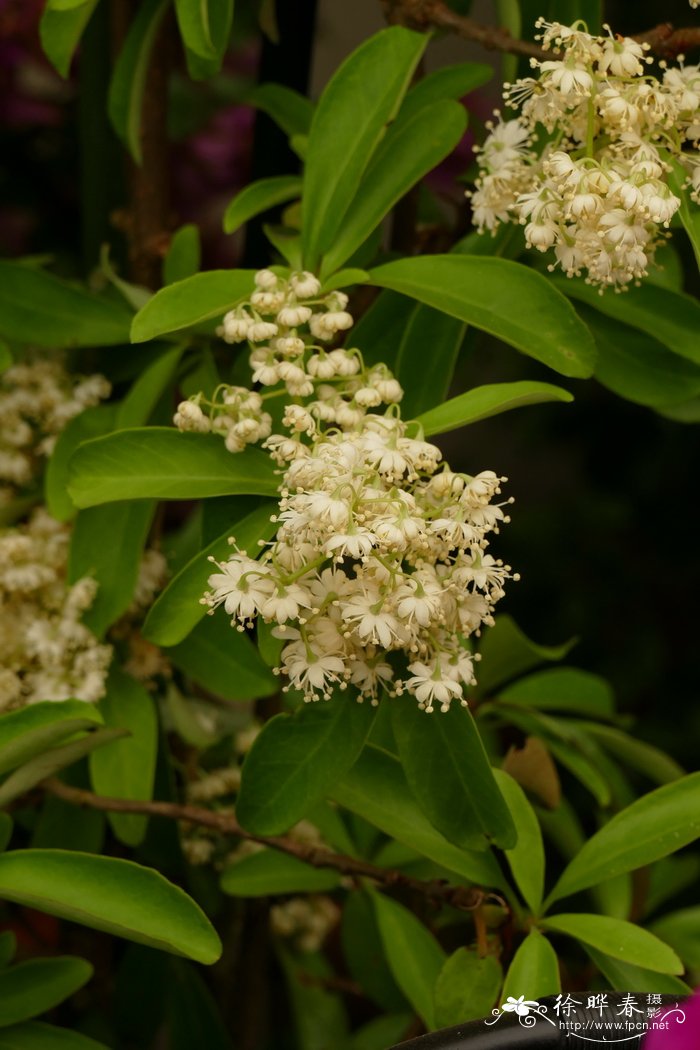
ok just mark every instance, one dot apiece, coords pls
pixel 177 610
pixel 126 91
pixel 93 422
pixel 681 929
pixel 526 858
pixel 99 532
pixel 162 463
pixel 35 1035
pixel 364 955
pixel 193 20
pixel 657 824
pixel 49 762
pixel 382 1032
pixel 259 197
pixel 689 212
pixel 32 987
pixel 411 148
pixel 192 301
pixel 319 1016
pixel 113 895
pixel 534 971
pixel 426 327
pixel 485 401
pixel 361 98
pixel 450 775
pixel 506 653
pixel 563 689
pixel 623 976
pixel 449 82
pixel 136 408
pixel 220 19
pixel 620 939
pixel 126 769
pixel 60 30
pixel 34 729
pixel 376 790
pixel 504 298
pixel 296 760
pixel 289 109
pixel 670 317
pixel 414 956
pixel 184 254
pixel 40 310
pixel 467 987
pixel 345 279
pixel 224 661
pixel 268 873
pixel 637 754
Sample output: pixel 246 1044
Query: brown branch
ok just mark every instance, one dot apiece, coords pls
pixel 461 897
pixel 424 15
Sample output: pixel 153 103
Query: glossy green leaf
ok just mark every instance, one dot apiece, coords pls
pixel 60 30
pixel 93 422
pixel 177 610
pixel 467 988
pixel 681 929
pixel 35 1035
pixel 289 109
pixel 620 939
pixel 449 82
pixel 259 197
pixel 40 310
pixel 506 653
pixel 345 279
pixel 623 976
pixel 637 754
pixel 411 148
pixel 657 824
pixel 534 971
pixel 526 858
pixel 37 985
pixel 376 789
pixel 33 729
pixel 268 873
pixel 99 532
pixel 126 769
pixel 183 258
pixel 450 775
pixel 297 759
pixel 361 98
pixel 363 953
pixel 223 660
pixel 506 299
pixel 128 85
pixel 563 689
pixel 136 408
pixel 113 895
pixel 162 463
pixel 413 954
pixel 425 327
pixel 49 762
pixel 485 401
pixel 196 299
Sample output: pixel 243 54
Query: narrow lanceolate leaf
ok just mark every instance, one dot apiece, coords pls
pixel 126 769
pixel 215 23
pixel 185 303
pixel 655 825
pixel 97 534
pixel 362 97
pixel 117 896
pixel 450 775
pixel 35 1035
pixel 49 762
pixel 260 196
pixel 467 988
pixel 506 653
pixel 689 211
pixel 184 254
pixel 60 30
pixel 289 109
pixel 297 759
pixel 268 873
pixel 179 609
pixel 223 660
pixel 39 309
pixel 448 82
pixel 126 92
pixel 414 956
pixel 376 789
pixel 193 20
pixel 30 988
pixel 410 149
pixel 526 858
pixel 534 971
pixel 162 463
pixel 31 730
pixel 485 401
pixel 681 929
pixel 425 327
pixel 510 301
pixel 620 939
pixel 563 689
pixel 623 976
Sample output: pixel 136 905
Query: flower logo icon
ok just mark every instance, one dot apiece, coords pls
pixel 520 1006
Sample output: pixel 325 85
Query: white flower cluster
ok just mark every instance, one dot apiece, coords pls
pixel 37 399
pixel 378 573
pixel 598 192
pixel 47 653
pixel 307 921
